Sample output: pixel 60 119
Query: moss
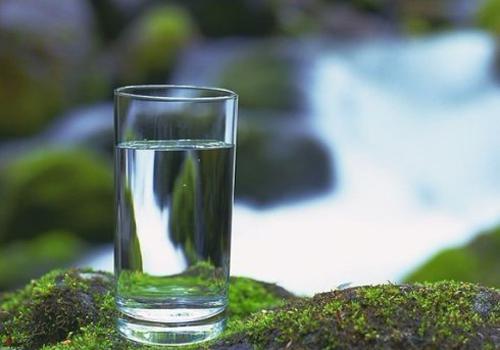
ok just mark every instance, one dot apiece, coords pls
pixel 247 296
pixel 488 16
pixel 21 261
pixel 75 309
pixel 151 46
pixel 49 309
pixel 478 262
pixel 69 190
pixel 442 315
pixel 68 310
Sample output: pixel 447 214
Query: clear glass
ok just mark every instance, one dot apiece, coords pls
pixel 174 174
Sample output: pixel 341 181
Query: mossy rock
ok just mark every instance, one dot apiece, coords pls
pixel 478 261
pixel 149 48
pixel 488 16
pixel 424 16
pixel 46 63
pixel 265 81
pixel 444 315
pixel 73 309
pixel 275 164
pixel 21 261
pixel 219 18
pixel 70 190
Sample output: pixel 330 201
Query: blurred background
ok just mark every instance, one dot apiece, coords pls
pixel 368 142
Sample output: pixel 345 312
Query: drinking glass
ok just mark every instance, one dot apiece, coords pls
pixel 174 176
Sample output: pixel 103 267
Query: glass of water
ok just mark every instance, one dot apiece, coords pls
pixel 174 168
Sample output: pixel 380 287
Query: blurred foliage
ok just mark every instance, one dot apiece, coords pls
pixel 149 48
pixel 24 108
pixel 371 6
pixel 275 164
pixel 488 16
pixel 46 63
pixel 264 80
pixel 69 190
pixel 20 261
pixel 424 16
pixel 218 18
pixel 478 262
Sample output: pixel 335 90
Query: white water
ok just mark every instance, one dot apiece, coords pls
pixel 414 128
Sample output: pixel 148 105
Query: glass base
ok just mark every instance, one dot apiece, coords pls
pixel 155 333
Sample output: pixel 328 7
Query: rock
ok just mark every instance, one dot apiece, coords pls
pixel 275 163
pixel 20 261
pixel 69 190
pixel 148 49
pixel 442 315
pixel 46 62
pixel 234 17
pixel 267 80
pixel 478 261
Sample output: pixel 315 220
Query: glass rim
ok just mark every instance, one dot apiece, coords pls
pixel 134 91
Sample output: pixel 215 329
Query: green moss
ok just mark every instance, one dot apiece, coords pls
pixel 478 262
pixel 21 261
pixel 68 190
pixel 442 315
pixel 247 296
pixel 488 16
pixel 66 310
